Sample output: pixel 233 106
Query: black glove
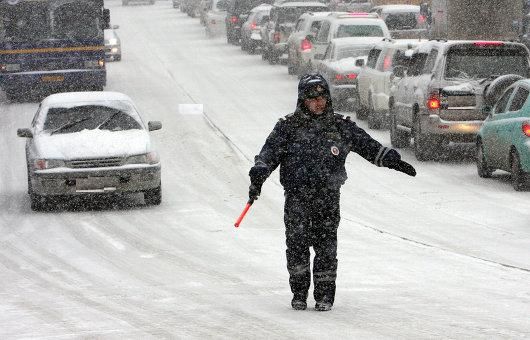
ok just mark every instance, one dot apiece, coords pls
pixel 393 160
pixel 258 174
pixel 402 166
pixel 253 192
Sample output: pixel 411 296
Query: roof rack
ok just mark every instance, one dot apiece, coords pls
pixel 361 15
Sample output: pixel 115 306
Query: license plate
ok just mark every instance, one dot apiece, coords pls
pixel 96 183
pixel 51 79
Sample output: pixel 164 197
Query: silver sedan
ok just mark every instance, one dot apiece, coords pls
pixel 83 143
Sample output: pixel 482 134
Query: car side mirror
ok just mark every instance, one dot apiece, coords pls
pixel 359 62
pixel 115 27
pixel 25 133
pixel 154 125
pixel 319 56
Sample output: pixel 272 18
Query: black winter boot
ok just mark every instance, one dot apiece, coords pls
pixel 299 301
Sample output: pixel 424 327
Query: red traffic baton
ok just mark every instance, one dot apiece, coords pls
pixel 240 218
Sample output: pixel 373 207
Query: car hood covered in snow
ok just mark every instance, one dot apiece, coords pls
pixel 92 144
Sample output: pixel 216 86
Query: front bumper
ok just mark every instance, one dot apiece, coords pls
pixel 455 131
pixel 344 92
pixel 123 179
pixel 113 52
pixel 61 78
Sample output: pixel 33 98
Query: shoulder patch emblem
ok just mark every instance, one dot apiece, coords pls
pixel 335 150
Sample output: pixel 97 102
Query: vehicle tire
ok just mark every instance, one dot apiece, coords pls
pixel 153 196
pixel 251 48
pixel 483 170
pixel 265 54
pixel 273 58
pixel 118 58
pixel 362 112
pixel 423 147
pixel 398 139
pixel 12 96
pixel 495 89
pixel 518 176
pixel 38 202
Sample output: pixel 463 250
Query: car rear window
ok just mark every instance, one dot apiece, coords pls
pixel 89 117
pixel 349 52
pixel 478 63
pixel 401 21
pixel 344 31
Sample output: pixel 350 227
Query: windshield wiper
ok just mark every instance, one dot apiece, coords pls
pixel 108 119
pixel 70 124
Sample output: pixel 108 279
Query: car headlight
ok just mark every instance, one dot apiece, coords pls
pixel 94 63
pixel 148 158
pixel 9 67
pixel 113 41
pixel 43 164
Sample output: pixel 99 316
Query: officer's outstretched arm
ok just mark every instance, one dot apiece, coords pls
pixel 380 155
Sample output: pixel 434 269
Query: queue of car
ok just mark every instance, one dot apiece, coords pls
pixel 380 65
pixel 429 93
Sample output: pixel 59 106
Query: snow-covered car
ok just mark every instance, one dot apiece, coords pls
pixel 344 25
pixel 503 141
pixel 214 22
pixel 82 143
pixel 403 21
pixel 112 44
pixel 299 48
pixel 340 65
pixel 438 100
pixel 376 78
pixel 250 30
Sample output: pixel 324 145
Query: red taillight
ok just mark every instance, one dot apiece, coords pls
pixel 421 19
pixel 306 45
pixel 387 63
pixel 276 37
pixel 433 103
pixel 344 77
pixel 253 25
pixel 488 43
pixel 526 128
pixel 41 164
pixel 233 19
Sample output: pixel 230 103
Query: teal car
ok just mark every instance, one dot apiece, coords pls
pixel 503 141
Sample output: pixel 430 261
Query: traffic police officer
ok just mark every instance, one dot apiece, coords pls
pixel 311 146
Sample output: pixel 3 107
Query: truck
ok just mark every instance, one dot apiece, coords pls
pixel 52 45
pixel 476 20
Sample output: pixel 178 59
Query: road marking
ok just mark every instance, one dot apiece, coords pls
pixel 191 109
pixel 116 244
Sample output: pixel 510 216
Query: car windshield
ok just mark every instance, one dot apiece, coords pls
pixel 481 62
pixel 292 14
pixel 344 31
pixel 89 117
pixel 348 52
pixel 401 21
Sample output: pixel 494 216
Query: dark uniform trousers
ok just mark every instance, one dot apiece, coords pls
pixel 312 217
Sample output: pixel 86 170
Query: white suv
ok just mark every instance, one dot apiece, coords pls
pixel 345 25
pixel 375 79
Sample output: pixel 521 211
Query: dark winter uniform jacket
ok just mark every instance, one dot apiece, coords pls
pixel 311 150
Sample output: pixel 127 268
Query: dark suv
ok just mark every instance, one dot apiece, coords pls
pixel 236 14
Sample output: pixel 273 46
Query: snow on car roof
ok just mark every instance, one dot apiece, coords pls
pixel 356 41
pixel 74 97
pixel 398 8
pixel 302 4
pixel 262 7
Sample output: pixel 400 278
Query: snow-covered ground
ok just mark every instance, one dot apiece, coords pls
pixel 442 255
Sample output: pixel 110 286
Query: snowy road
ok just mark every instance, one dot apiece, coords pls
pixel 442 255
